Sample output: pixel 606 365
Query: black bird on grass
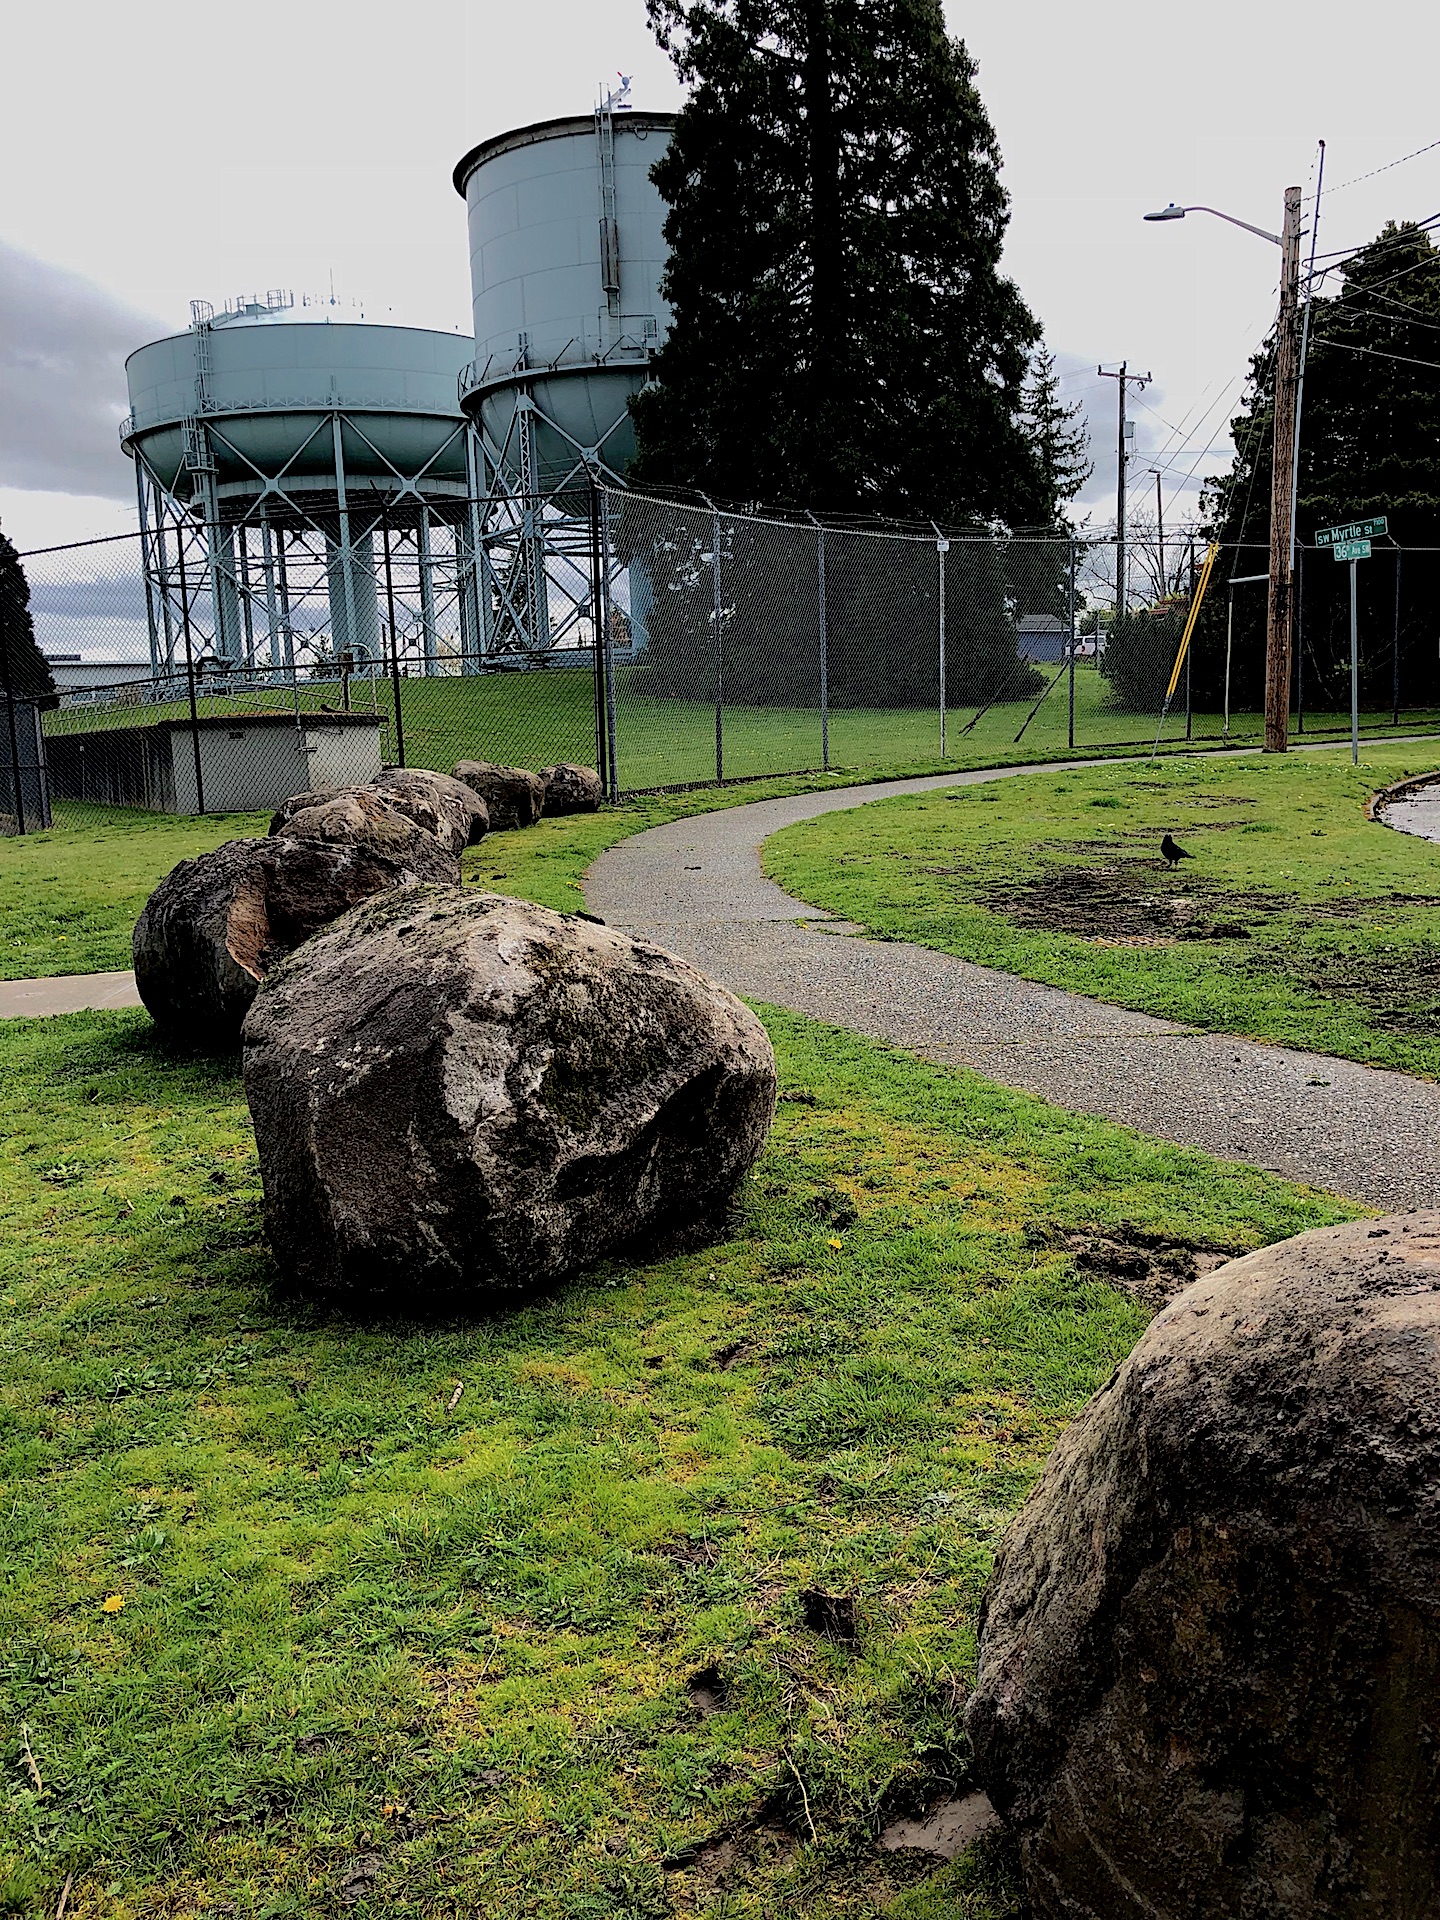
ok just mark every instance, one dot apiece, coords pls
pixel 1172 852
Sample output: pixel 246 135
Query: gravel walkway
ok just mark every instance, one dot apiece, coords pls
pixel 696 887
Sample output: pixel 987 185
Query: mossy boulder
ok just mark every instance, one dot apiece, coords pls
pixel 1209 1680
pixel 466 1095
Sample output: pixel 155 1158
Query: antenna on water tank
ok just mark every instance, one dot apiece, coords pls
pixel 618 98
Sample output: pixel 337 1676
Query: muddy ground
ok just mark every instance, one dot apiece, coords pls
pixel 1134 900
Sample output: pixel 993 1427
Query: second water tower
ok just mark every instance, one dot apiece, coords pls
pixel 567 253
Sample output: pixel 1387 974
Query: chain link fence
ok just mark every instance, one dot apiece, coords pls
pixel 686 645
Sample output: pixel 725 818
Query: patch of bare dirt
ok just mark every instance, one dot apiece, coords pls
pixel 707 1691
pixel 944 1830
pixel 1147 1266
pixel 1397 988
pixel 835 1616
pixel 1134 902
pixel 690 1552
pixel 1137 901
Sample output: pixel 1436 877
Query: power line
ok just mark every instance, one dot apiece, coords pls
pixel 1388 166
pixel 1340 312
pixel 1374 286
pixel 1403 358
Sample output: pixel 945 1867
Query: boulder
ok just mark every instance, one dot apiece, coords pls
pixel 513 797
pixel 1209 1680
pixel 355 816
pixel 445 806
pixel 571 789
pixel 470 1096
pixel 215 925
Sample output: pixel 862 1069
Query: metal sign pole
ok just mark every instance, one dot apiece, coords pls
pixel 1354 674
pixel 942 547
pixel 824 651
pixel 719 654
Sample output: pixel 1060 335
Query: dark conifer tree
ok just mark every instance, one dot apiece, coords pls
pixel 1057 431
pixel 843 337
pixel 26 671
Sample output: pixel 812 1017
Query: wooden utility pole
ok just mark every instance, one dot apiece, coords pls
pixel 1125 378
pixel 1287 366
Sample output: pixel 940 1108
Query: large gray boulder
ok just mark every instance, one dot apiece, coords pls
pixel 1209 1677
pixel 357 816
pixel 446 809
pixel 453 812
pixel 513 796
pixel 215 925
pixel 570 789
pixel 471 1096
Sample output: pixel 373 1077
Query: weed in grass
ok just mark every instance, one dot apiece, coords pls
pixel 384 1649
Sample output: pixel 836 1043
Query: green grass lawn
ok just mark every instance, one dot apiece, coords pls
pixel 301 1615
pixel 69 896
pixel 1298 921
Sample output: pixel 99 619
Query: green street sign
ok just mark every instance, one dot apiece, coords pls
pixel 1353 530
pixel 1351 550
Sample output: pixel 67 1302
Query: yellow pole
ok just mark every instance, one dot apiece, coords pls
pixel 1200 585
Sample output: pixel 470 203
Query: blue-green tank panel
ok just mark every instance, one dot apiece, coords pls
pixel 271 386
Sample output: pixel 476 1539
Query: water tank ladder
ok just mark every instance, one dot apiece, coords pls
pixel 609 223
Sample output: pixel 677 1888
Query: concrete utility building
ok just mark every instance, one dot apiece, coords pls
pixel 220 763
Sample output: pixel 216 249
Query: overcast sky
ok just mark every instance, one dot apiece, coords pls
pixel 157 152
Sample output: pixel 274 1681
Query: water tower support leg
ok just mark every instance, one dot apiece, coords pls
pixel 272 612
pixel 482 640
pixel 147 562
pixel 346 609
pixel 427 591
pixel 163 575
pixel 225 589
pixel 247 610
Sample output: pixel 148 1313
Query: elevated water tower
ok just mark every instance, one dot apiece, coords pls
pixel 275 445
pixel 567 250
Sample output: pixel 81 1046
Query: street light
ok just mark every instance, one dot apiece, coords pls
pixel 1278 621
pixel 1172 212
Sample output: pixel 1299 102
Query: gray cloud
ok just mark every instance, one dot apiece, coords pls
pixel 62 379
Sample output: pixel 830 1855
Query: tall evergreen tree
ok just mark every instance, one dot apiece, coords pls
pixel 26 672
pixel 843 337
pixel 1057 430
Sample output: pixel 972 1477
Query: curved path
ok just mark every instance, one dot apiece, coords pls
pixel 696 886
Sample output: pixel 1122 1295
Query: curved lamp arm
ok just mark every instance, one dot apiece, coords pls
pixel 1172 212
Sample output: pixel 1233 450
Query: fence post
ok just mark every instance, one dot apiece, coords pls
pixel 942 547
pixel 597 599
pixel 394 648
pixel 1073 641
pixel 718 650
pixel 8 690
pixel 190 675
pixel 1395 645
pixel 824 650
pixel 607 653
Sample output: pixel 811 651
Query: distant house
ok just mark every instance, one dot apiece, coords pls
pixel 1043 638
